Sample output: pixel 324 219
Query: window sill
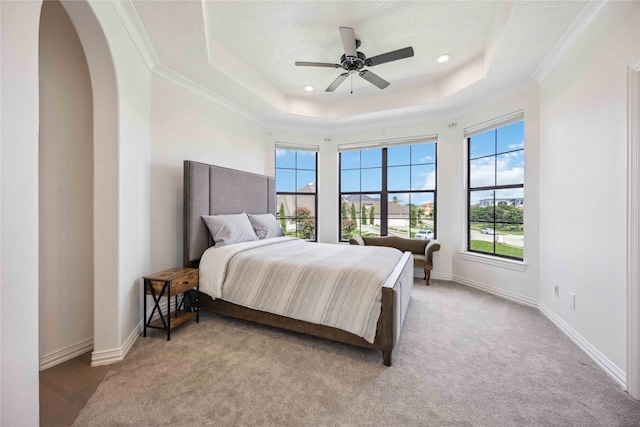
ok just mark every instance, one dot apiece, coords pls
pixel 494 261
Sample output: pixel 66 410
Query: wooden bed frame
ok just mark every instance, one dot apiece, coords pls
pixel 214 190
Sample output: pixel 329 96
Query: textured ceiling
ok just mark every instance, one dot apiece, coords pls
pixel 245 51
pixel 281 33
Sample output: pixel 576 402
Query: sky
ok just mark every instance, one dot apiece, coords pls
pixel 410 168
pixel 496 158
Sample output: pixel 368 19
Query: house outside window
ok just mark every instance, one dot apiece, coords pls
pixel 388 190
pixel 296 192
pixel 495 182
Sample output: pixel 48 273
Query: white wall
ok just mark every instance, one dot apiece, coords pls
pixel 583 183
pixel 121 92
pixel 515 284
pixel 66 189
pixel 19 400
pixel 190 126
pixel 134 84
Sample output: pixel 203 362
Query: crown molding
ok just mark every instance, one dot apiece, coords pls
pixel 568 39
pixel 185 82
pixel 131 21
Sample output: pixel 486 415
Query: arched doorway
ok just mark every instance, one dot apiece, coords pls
pixel 66 188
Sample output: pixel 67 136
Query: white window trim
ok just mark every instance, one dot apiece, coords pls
pixel 279 145
pixel 489 259
pixel 495 261
pixel 382 143
pixel 495 123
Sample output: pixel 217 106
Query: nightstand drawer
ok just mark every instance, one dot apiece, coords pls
pixel 179 284
pixel 184 283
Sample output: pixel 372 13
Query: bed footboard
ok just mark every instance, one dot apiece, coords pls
pixel 396 294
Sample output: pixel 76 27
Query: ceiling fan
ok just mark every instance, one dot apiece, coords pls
pixel 353 61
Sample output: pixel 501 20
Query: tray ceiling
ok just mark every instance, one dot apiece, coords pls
pixel 244 52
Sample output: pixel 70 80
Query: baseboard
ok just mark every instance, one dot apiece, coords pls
pixel 418 273
pixel 532 302
pixel 440 276
pixel 601 360
pixel 60 356
pixel 108 357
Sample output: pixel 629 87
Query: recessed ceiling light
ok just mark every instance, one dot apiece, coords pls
pixel 443 58
pixel 308 88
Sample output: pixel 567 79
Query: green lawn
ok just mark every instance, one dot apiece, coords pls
pixel 482 246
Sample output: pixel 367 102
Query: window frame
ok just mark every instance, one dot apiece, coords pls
pixel 384 192
pixel 493 125
pixel 295 194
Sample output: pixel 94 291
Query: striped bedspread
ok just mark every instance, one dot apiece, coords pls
pixel 328 284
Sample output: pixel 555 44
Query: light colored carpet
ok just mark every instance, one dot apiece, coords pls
pixel 465 358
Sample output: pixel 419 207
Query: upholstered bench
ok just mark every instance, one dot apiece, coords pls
pixel 422 249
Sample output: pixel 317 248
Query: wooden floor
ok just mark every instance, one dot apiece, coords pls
pixel 66 388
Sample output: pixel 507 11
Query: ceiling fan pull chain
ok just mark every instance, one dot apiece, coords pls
pixel 351 83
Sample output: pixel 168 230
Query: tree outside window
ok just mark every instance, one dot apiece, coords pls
pixel 296 177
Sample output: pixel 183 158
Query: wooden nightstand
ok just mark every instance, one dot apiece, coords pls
pixel 168 283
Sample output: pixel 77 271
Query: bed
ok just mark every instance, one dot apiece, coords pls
pixel 214 190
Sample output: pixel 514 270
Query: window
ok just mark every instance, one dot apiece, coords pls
pixel 388 191
pixel 296 194
pixel 496 190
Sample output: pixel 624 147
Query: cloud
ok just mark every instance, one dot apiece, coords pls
pixel 483 171
pixel 430 180
pixel 511 176
pixel 516 146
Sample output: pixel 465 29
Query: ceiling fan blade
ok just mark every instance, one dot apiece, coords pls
pixel 317 64
pixel 407 52
pixel 333 86
pixel 348 37
pixel 374 79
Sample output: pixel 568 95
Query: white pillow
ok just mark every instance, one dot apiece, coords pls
pixel 266 226
pixel 228 229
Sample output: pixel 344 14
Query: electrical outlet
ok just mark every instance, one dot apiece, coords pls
pixel 572 300
pixel 556 290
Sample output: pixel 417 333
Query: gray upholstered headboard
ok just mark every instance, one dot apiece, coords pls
pixel 214 190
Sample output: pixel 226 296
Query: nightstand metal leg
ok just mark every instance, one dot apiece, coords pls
pixel 144 312
pixel 169 311
pixel 198 303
